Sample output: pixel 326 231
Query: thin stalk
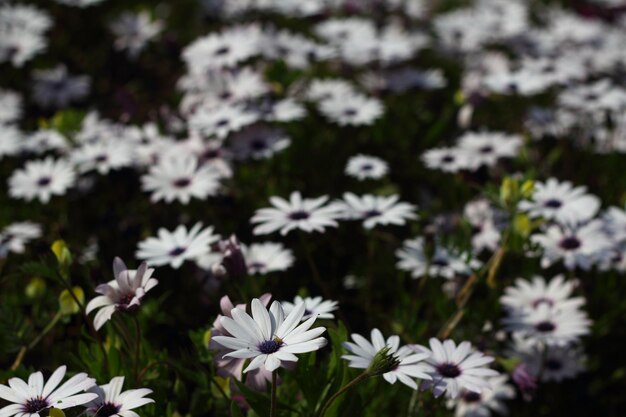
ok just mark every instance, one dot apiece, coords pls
pixel 137 346
pixel 362 377
pixel 273 402
pixel 36 340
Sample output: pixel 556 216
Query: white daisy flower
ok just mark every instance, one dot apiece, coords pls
pixel 376 210
pixel 10 106
pixel 411 364
pixel 133 31
pixel 446 159
pixel 103 156
pixel 549 325
pixel 298 213
pixel 577 246
pixel 263 258
pixel 355 110
pixel 42 179
pixel 176 247
pixel 561 202
pixel 112 402
pixel 268 337
pixel 220 121
pixel 444 263
pixel 258 142
pixel 474 404
pixel 282 111
pixel 178 177
pixel 313 307
pixel 454 368
pixel 15 236
pixel 366 167
pixel 486 148
pixel 11 141
pixel 484 221
pixel 614 219
pixel 44 140
pixel 122 293
pixel 329 89
pixel 30 399
pixel 57 89
pixel 530 294
pixel 549 363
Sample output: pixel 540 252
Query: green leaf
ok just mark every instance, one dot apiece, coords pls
pixel 235 411
pixel 55 412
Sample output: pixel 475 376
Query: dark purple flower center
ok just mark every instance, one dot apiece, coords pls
pixel 258 144
pixel 299 215
pixel 101 158
pixel 350 112
pixel 222 123
pixel 367 167
pixel 43 181
pixel 542 300
pixel 222 51
pixel 553 203
pixel 486 149
pixel 256 266
pixel 447 159
pixel 211 154
pixel 35 405
pixel 570 243
pixel 448 370
pixel 371 213
pixel 107 410
pixel 177 251
pixel 182 182
pixel 553 364
pixel 269 346
pixel 439 262
pixel 471 397
pixel 545 327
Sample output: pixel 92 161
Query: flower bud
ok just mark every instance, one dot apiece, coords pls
pixel 383 362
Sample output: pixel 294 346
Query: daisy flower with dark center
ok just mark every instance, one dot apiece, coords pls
pixel 366 167
pixel 578 246
pixel 133 31
pixel 42 179
pixel 220 121
pixel 549 363
pixel 176 247
pixel 263 258
pixel 354 110
pixel 269 337
pixel 45 140
pixel 446 159
pixel 530 294
pixel 486 148
pixel 455 368
pixel 549 325
pixel 29 399
pixel 56 88
pixel 123 293
pixel 410 365
pixel 103 156
pixel 562 202
pixel 376 210
pixel 444 263
pixel 296 213
pixel 493 399
pixel 313 307
pixel 179 177
pixel 15 236
pixel 112 402
pixel 258 142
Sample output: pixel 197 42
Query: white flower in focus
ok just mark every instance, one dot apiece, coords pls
pixel 30 399
pixel 411 364
pixel 42 179
pixel 112 402
pixel 123 293
pixel 268 337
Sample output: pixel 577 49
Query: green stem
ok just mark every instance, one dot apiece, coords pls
pixel 137 347
pixel 331 400
pixel 273 402
pixel 36 340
